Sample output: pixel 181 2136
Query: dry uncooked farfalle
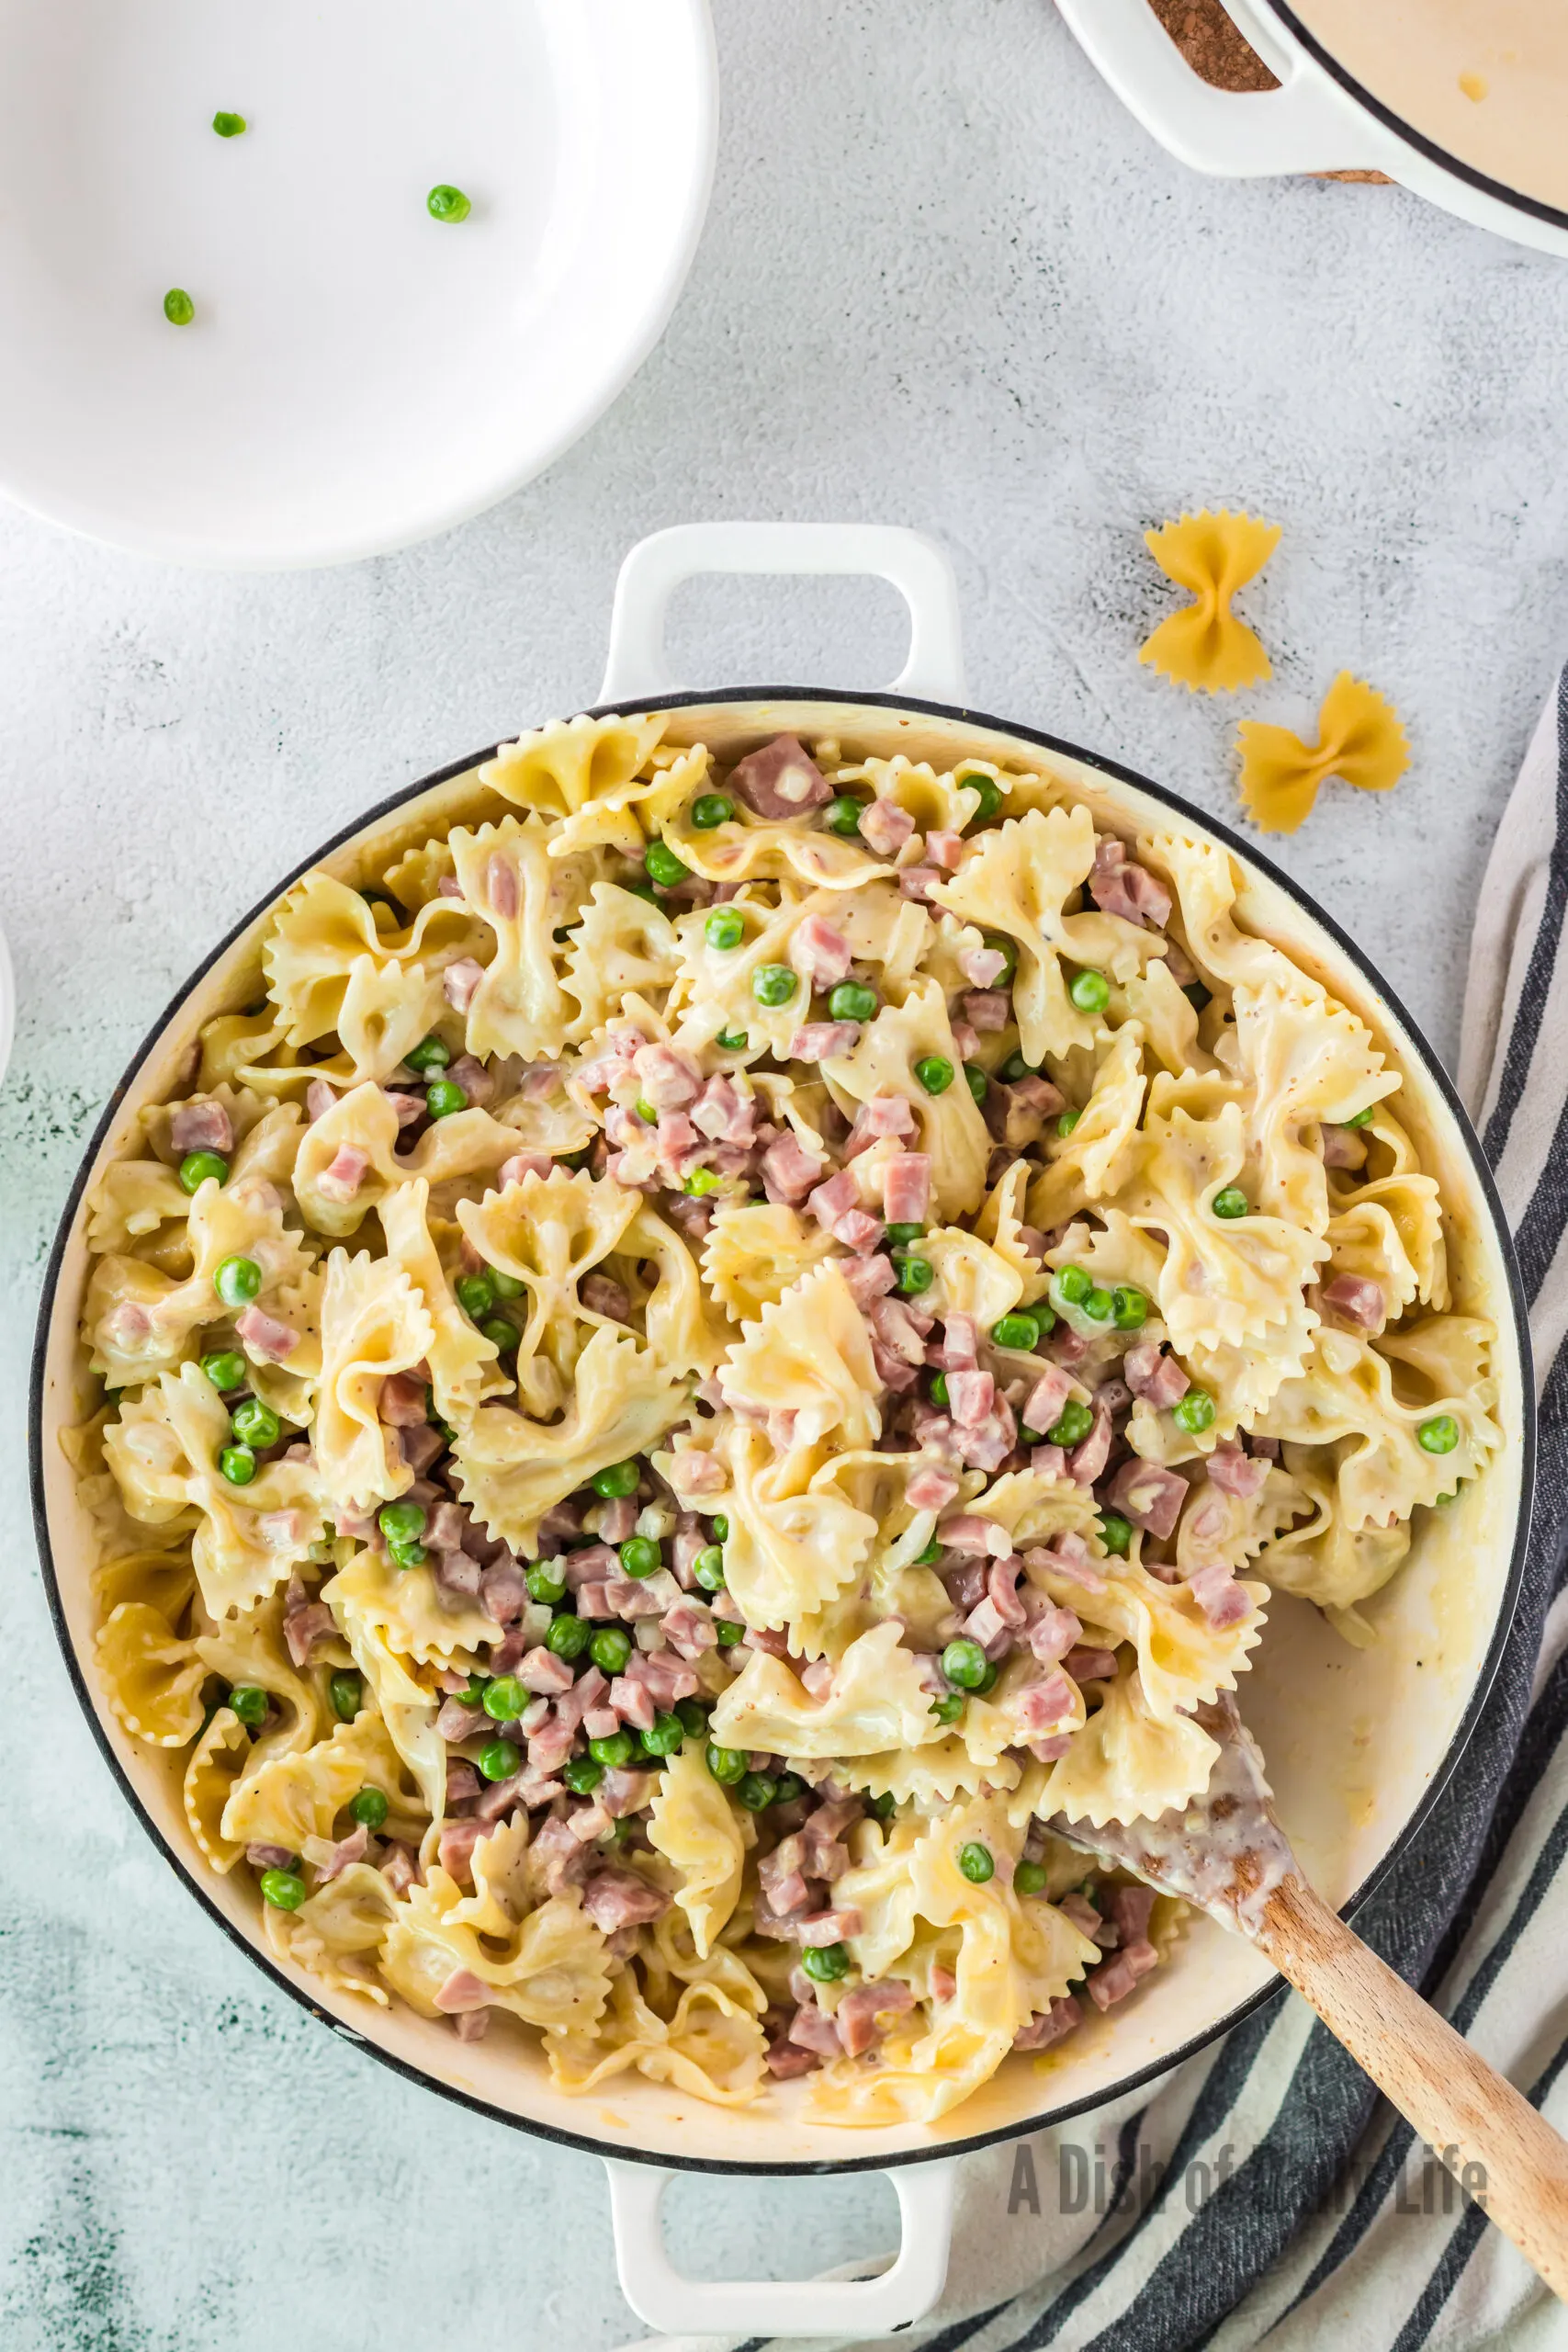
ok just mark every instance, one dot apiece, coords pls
pixel 1204 647
pixel 1359 739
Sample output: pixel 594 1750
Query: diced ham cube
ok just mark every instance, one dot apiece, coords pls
pixel 869 1279
pixel 987 1010
pixel 987 1447
pixel 830 1927
pixel 917 882
pixel 1157 1378
pixel 788 1171
pixel 633 1703
pixel 1049 2025
pixel 834 1199
pixel 986 1625
pixel 982 966
pixel 857 2014
pixel 455 1846
pixel 970 1395
pixel 960 1343
pixel 1053 1633
pixel 602 1295
pixel 504 1590
pixel 458 1574
pixel 523 1163
pixel 1087 1664
pixel 1344 1148
pixel 885 1115
pixel 284 1531
pixel 620 1899
pixel 339 1179
pixel 500 887
pixel 1149 1495
pixel 1116 1977
pixel 780 781
pixel 822 1040
pixel 459 981
pixel 1088 1459
pixel 462 1991
pixel 724 1114
pixel 472 2025
pixel 668 1079
pixel 819 953
pixel 263 1335
pixel 347 1851
pixel 623 1792
pixel 906 1187
pixel 932 1490
pixel 399 1867
pixel 1122 886
pixel 477 1082
pixel 1130 1908
pixel 540 1670
pixel 858 1230
pixel 321 1098
pixel 1357 1299
pixel 403 1401
pixel 1235 1473
pixel 1039 1707
pixel 786 2061
pixel 968 1531
pixel 303 1628
pixel 898 1331
pixel 263 1857
pixel 812 2029
pixel 885 827
pixel 201 1126
pixel 1001 1586
pixel 689 1629
pixel 1218 1595
pixel 1047 1399
pixel 946 850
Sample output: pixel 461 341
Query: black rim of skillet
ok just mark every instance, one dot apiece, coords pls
pixel 1050 2115
pixel 1513 197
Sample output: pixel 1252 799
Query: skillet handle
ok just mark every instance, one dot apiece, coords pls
pixel 637 668
pixel 787 2307
pixel 1307 125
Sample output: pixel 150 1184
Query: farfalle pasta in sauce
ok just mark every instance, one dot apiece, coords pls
pixel 722 1346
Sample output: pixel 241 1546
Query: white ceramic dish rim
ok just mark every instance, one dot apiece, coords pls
pixel 898 703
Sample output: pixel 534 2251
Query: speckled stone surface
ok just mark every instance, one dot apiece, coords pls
pixel 946 281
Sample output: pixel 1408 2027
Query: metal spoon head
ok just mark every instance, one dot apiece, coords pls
pixel 1225 1851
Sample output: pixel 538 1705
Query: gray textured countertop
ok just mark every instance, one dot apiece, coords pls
pixel 946 281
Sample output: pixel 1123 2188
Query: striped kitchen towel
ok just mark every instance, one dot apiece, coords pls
pixel 1261 2193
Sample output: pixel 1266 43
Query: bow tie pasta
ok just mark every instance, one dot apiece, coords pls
pixel 725 1343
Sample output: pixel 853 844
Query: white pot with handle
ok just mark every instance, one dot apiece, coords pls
pixel 1421 90
pixel 1359 1742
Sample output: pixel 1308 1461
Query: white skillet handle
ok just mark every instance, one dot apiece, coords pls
pixel 638 666
pixel 854 2307
pixel 1307 125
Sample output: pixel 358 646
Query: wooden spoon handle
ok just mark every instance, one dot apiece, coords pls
pixel 1462 2107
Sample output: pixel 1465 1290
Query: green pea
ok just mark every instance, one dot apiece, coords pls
pixel 238 1281
pixel 728 1635
pixel 826 1964
pixel 1439 1435
pixel 711 809
pixel 347 1694
pixel 1073 1425
pixel 732 1041
pixel 238 1464
pixel 979 1084
pixel 506 1699
pixel 934 1072
pixel 1073 1283
pixel 501 1334
pixel 964 1662
pixel 949 1709
pixel 1129 1307
pixel 1090 991
pixel 990 793
pixel 1045 1317
pixel 581 1774
pixel 1194 1412
pixel 472 1694
pixel 774 984
pixel 430 1053
pixel 930 1555
pixel 614 1751
pixel 447 203
pixel 640 1555
pixel 720 1527
pixel 1116 1533
pixel 249 1703
pixel 476 1295
pixel 1100 1306
pixel 544 1583
pixel 842 815
pixel 610 1647
pixel 499 1758
pixel 788 1787
pixel 225 1367
pixel 724 928
pixel 568 1636
pixel 444 1097
pixel 1230 1201
pixel 937 1387
pixel 1015 1068
pixel 406 1554
pixel 693 1716
pixel 642 890
pixel 401 1523
pixel 285 1890
pixel 882 1805
pixel 974 1862
pixel 701 1182
pixel 757 1790
pixel 849 1002
pixel 179 308
pixel 916 1274
pixel 664 866
pixel 1016 1330
pixel 1066 1121
pixel 256 1424
pixel 198 1168
pixel 619 1479
pixel 664 1737
pixel 728 1765
pixel 901 1235
pixel 1362 1118
pixel 708 1568
pixel 229 126
pixel 370 1807
pixel 1030 1878
pixel 504 1285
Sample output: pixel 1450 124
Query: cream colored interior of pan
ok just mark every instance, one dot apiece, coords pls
pixel 1353 1739
pixel 1485 80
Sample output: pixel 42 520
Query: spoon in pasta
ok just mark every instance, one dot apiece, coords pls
pixel 1226 1853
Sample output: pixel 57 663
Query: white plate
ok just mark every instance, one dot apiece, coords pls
pixel 357 374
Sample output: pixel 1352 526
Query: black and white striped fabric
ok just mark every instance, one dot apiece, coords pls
pixel 1261 2194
